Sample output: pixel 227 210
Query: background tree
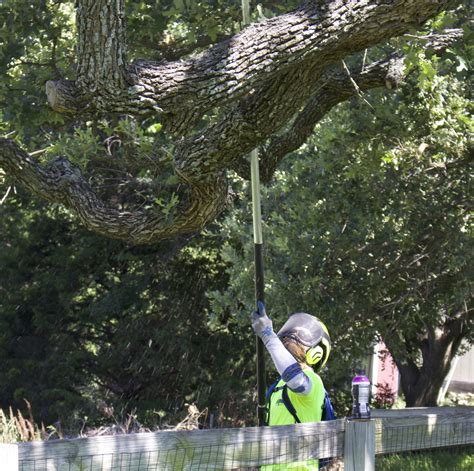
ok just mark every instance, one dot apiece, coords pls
pixel 91 330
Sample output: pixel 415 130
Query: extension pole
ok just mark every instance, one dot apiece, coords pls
pixel 258 254
pixel 259 280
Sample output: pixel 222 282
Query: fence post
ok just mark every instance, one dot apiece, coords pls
pixel 359 445
pixel 9 457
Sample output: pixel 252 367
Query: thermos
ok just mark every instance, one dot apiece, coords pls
pixel 361 395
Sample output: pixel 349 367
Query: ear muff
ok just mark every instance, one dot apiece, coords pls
pixel 314 355
pixel 318 355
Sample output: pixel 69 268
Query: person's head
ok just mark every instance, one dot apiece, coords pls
pixel 307 339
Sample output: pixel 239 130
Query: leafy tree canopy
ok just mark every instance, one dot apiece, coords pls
pixel 367 226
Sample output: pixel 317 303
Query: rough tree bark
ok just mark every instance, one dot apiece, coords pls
pixel 259 79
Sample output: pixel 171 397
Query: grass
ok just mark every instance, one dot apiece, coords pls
pixel 16 428
pixel 461 459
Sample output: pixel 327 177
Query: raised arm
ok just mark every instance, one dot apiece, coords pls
pixel 285 363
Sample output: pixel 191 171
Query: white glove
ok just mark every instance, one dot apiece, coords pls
pixel 262 324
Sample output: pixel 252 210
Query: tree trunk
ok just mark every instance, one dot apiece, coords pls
pixel 101 46
pixel 101 74
pixel 421 384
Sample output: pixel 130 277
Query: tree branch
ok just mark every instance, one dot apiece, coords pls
pixel 245 125
pixel 318 32
pixel 61 182
pixel 332 89
pixel 263 76
pixel 258 117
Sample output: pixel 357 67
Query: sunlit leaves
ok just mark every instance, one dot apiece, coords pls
pixel 367 225
pixel 36 45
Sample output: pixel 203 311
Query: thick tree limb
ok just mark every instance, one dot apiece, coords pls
pixel 319 31
pixel 243 126
pixel 263 76
pixel 333 88
pixel 61 182
pixel 266 111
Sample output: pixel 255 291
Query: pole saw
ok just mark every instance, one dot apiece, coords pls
pixel 258 254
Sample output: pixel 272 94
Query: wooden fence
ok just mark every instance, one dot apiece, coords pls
pixel 229 449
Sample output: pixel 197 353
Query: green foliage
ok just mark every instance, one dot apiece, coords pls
pixel 91 328
pixel 367 226
pixel 36 44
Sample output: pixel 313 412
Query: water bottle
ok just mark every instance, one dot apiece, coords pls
pixel 361 395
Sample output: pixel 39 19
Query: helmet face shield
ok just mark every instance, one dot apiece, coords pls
pixel 310 332
pixel 304 328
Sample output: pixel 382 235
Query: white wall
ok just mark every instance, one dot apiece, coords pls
pixel 463 376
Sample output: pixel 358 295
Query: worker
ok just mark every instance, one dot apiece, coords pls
pixel 299 351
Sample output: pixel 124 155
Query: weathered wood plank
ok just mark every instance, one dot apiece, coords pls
pixel 217 449
pixel 220 449
pixel 421 411
pixel 9 457
pixel 433 428
pixel 359 448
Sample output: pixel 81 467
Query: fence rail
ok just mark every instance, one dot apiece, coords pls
pixel 230 449
pixel 423 428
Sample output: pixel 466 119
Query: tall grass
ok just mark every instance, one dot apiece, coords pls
pixel 16 428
